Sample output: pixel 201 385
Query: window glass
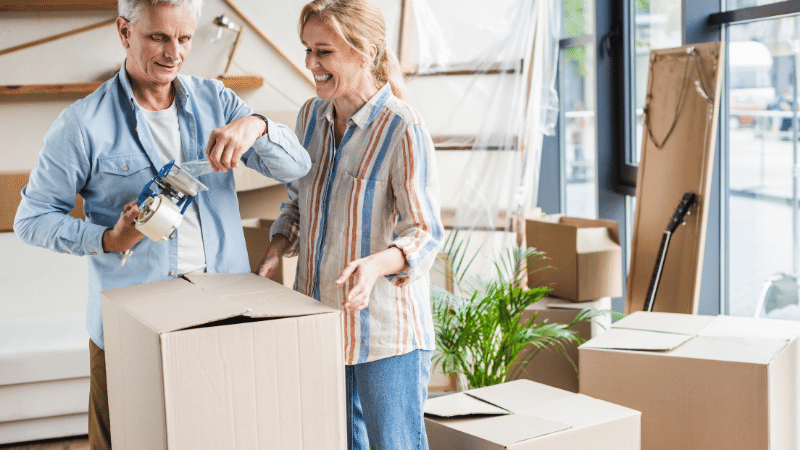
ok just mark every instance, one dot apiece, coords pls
pixel 738 4
pixel 763 147
pixel 656 25
pixel 578 18
pixel 578 133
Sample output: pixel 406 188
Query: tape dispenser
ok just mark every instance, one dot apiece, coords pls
pixel 162 213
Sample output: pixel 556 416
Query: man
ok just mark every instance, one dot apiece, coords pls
pixel 107 146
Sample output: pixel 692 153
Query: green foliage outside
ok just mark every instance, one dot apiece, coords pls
pixel 480 332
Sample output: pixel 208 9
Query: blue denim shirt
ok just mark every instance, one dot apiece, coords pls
pixel 101 148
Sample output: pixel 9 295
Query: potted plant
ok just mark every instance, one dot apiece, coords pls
pixel 480 330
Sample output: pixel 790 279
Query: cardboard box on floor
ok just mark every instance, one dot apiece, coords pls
pixel 550 366
pixel 524 415
pixel 11 184
pixel 585 256
pixel 256 236
pixel 701 383
pixel 222 361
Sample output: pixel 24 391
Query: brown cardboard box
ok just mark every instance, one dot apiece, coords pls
pixel 550 366
pixel 524 415
pixel 256 236
pixel 710 383
pixel 585 255
pixel 11 184
pixel 218 361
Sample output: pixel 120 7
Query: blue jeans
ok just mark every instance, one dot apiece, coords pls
pixel 385 400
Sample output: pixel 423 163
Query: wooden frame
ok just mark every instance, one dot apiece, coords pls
pixel 57 5
pixel 681 162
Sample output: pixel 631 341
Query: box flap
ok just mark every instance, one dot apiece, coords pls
pixel 460 404
pixel 624 339
pixel 581 411
pixel 596 239
pixel 505 430
pixel 559 303
pixel 173 305
pixel 139 292
pixel 225 283
pixel 735 349
pixel 724 326
pixel 518 395
pixel 687 324
pixel 263 297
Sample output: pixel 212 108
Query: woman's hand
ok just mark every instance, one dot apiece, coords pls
pixel 272 257
pixel 365 272
pixel 228 143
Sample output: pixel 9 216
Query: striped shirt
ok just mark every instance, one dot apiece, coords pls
pixel 378 189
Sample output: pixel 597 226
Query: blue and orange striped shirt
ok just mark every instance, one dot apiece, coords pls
pixel 379 188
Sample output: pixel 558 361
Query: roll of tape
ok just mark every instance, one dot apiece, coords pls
pixel 159 217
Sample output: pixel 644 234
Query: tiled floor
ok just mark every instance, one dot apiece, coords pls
pixel 79 443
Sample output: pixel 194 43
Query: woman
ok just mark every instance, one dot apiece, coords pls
pixel 365 220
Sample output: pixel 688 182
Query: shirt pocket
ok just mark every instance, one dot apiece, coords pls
pixel 363 206
pixel 123 165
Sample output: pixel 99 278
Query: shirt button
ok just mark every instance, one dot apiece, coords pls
pixel 94 253
pixel 124 168
pixel 172 236
pixel 172 273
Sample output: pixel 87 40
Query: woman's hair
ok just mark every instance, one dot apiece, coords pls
pixel 360 23
pixel 129 9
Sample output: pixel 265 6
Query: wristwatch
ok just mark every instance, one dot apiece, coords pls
pixel 266 122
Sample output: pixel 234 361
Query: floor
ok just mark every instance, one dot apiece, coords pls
pixel 77 443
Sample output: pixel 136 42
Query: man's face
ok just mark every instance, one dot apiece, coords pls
pixel 157 43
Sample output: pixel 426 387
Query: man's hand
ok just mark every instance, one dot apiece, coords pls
pixel 229 142
pixel 272 257
pixel 124 235
pixel 366 271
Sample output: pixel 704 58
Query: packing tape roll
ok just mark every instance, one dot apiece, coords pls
pixel 159 217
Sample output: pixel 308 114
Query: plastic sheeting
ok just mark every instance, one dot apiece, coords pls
pixel 488 120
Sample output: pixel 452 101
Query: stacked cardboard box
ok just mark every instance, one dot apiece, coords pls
pixel 550 366
pixel 701 383
pixel 584 257
pixel 524 415
pixel 223 361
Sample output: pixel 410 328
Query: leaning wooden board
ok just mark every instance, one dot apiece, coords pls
pixel 683 162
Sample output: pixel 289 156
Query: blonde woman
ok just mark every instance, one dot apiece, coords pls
pixel 365 221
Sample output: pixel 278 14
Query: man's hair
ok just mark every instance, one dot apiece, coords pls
pixel 129 9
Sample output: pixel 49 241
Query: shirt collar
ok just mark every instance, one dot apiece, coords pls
pixel 364 116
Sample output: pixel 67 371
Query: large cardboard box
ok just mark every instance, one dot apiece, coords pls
pixel 550 366
pixel 585 256
pixel 710 383
pixel 11 184
pixel 216 361
pixel 524 415
pixel 256 236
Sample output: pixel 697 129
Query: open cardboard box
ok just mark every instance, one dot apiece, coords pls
pixel 223 361
pixel 550 366
pixel 700 382
pixel 524 415
pixel 585 256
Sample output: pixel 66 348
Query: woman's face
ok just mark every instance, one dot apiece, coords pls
pixel 340 72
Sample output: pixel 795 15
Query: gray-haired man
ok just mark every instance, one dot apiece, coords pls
pixel 107 146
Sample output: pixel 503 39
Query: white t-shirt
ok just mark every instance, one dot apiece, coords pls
pixel 166 134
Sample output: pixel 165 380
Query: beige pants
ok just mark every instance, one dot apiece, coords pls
pixel 99 423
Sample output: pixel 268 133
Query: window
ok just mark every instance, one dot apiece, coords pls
pixel 578 135
pixel 656 25
pixel 762 191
